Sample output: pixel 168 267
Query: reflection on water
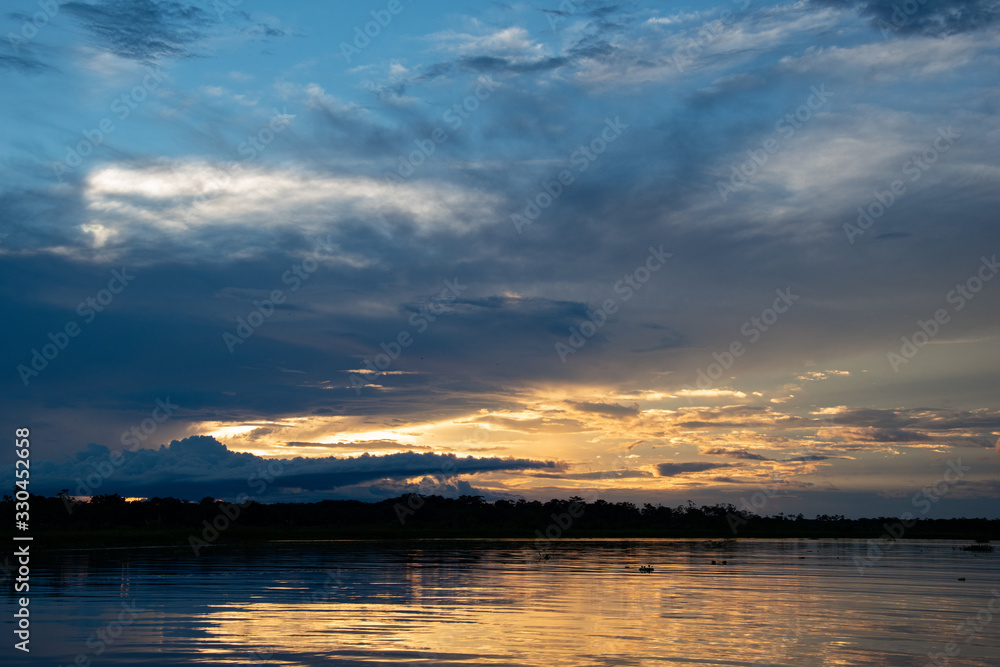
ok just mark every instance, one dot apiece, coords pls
pixel 478 602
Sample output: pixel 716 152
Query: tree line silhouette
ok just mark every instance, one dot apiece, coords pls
pixel 415 516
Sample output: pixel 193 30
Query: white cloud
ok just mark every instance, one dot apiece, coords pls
pixel 318 98
pixel 838 156
pixel 888 61
pixel 680 17
pixel 713 43
pixel 124 202
pixel 513 42
pixel 711 393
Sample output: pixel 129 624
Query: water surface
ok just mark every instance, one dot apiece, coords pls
pixel 489 602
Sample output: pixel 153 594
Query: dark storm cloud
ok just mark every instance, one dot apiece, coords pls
pixel 200 465
pixel 674 469
pixel 523 310
pixel 515 333
pixel 924 17
pixel 196 370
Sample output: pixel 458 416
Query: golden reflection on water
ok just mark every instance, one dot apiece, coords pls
pixel 450 603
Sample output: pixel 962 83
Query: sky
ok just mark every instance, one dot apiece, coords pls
pixel 737 252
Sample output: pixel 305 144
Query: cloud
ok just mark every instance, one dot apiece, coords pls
pixel 734 454
pixel 142 30
pixel 487 364
pixel 674 469
pixel 598 475
pixel 25 64
pixel 607 409
pixel 513 41
pixel 508 50
pixel 680 17
pixel 190 202
pixel 927 419
pixel 938 18
pixel 657 54
pixel 200 466
pixel 494 64
pixel 916 58
pixel 873 434
pixel 711 393
pixel 449 488
pixel 821 375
